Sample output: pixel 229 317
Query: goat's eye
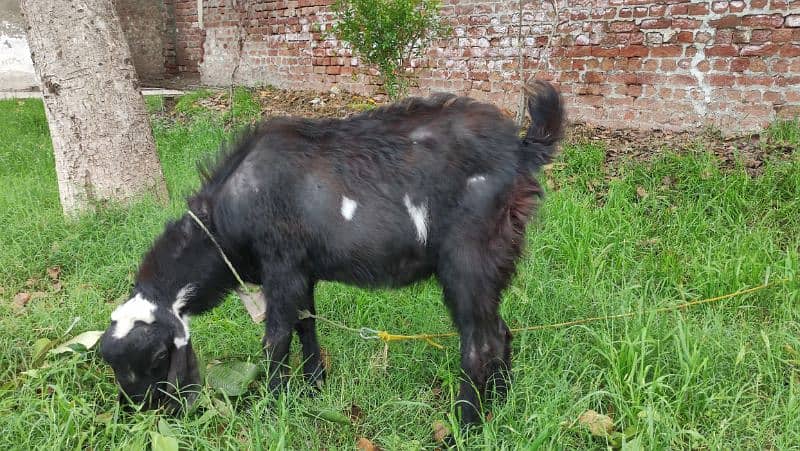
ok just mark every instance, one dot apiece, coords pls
pixel 160 355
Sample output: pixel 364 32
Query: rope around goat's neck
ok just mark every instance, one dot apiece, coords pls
pixel 221 252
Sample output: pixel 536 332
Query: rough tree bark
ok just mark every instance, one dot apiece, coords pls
pixel 103 145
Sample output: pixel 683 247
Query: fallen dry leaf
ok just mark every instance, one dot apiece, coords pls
pixel 489 416
pixel 440 431
pixel 57 286
pixel 54 273
pixel 365 444
pixel 437 391
pixel 599 425
pixel 30 283
pixel 355 413
pixel 21 299
pixel 641 193
pixel 326 359
pixel 650 241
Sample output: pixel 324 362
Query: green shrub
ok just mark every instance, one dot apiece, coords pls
pixel 386 33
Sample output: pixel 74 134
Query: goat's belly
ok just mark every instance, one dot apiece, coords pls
pixel 395 273
pixel 373 258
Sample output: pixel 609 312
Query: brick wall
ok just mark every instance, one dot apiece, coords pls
pixel 621 63
pixel 150 36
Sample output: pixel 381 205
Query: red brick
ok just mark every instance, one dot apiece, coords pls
pixel 666 50
pixel 577 51
pixel 740 64
pixel 723 37
pixel 761 36
pixel 618 27
pixel 634 64
pixel 724 22
pixel 721 50
pixel 759 50
pixel 741 36
pixel 721 80
pixel 757 80
pixel 633 90
pixel 685 24
pixel 779 65
pixel 721 65
pixel 758 65
pixel 655 23
pixel 659 9
pixel 634 50
pixel 625 13
pixel 763 20
pixel 790 50
pixel 719 7
pixel 773 97
pixel 668 65
pixel 698 9
pixel 781 35
pixel 594 77
pixel 605 51
pixel 684 36
pixel 737 6
pixel 676 10
pixel 793 20
pixel 758 3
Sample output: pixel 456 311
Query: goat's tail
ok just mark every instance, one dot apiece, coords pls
pixel 547 124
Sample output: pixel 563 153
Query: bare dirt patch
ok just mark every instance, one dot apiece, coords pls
pixel 643 145
pixel 620 145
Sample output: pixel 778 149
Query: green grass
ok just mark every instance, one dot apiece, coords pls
pixel 720 376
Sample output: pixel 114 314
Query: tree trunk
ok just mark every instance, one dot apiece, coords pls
pixel 103 145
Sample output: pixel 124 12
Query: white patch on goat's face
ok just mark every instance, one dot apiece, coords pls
pixel 180 301
pixel 348 208
pixel 476 179
pixel 419 216
pixel 135 309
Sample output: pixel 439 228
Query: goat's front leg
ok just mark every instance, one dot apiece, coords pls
pixel 313 367
pixel 285 290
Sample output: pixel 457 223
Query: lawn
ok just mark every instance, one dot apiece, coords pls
pixel 610 238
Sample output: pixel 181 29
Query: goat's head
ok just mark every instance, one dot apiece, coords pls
pixel 148 347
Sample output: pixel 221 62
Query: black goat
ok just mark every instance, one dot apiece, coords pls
pixel 439 186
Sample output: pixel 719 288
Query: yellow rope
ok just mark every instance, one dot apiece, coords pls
pixel 387 337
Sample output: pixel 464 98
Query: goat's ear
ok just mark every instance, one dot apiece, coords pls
pixel 184 374
pixel 200 205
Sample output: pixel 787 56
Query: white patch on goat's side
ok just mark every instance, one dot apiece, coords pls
pixel 420 134
pixel 348 208
pixel 135 309
pixel 476 179
pixel 419 216
pixel 180 301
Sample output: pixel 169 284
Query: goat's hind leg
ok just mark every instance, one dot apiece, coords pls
pixel 472 293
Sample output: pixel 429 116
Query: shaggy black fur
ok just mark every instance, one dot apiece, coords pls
pixel 275 204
